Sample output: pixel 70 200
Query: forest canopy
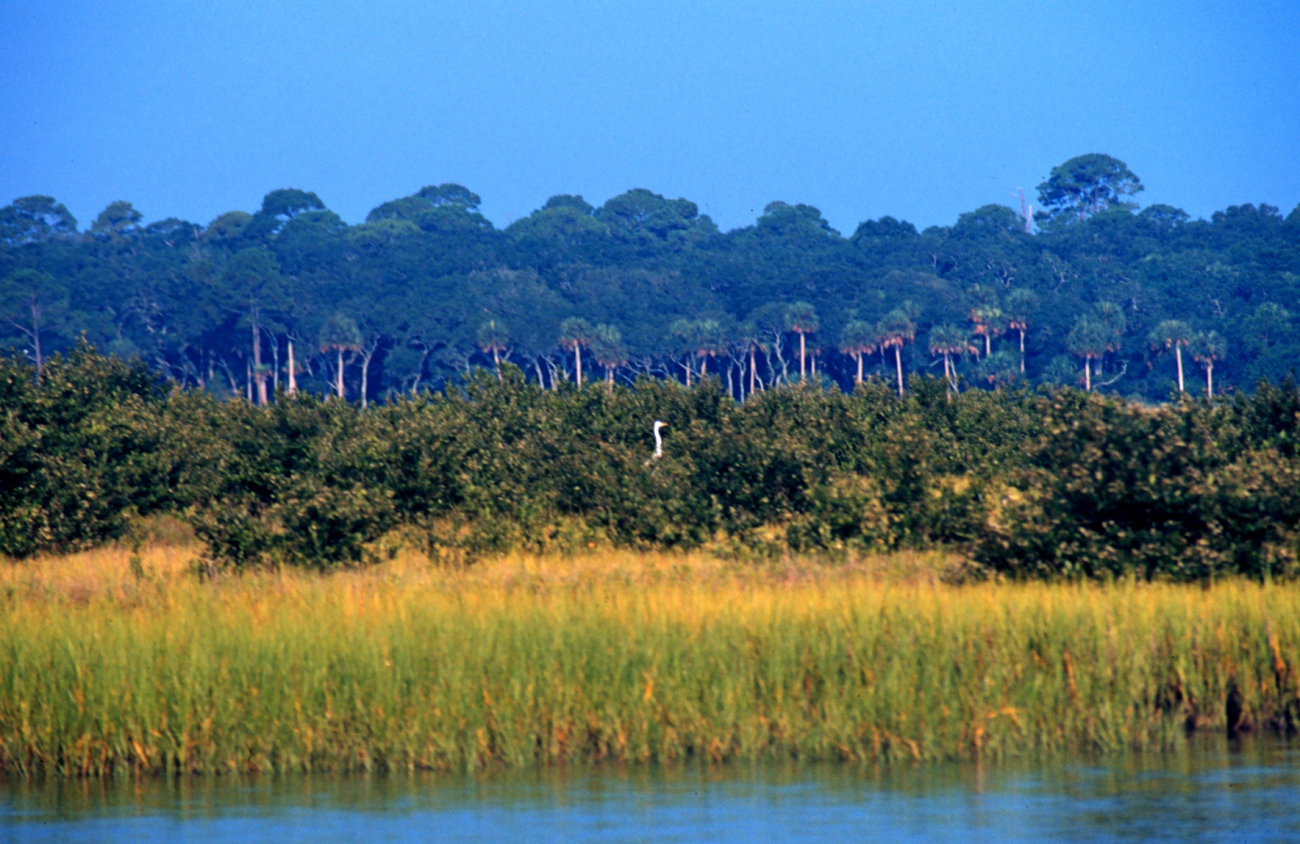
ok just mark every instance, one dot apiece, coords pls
pixel 1091 291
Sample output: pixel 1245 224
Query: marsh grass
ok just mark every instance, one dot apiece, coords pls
pixel 121 660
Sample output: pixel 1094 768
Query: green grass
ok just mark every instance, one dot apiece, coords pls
pixel 614 657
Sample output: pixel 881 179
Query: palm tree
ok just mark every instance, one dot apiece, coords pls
pixel 575 332
pixel 1020 302
pixel 896 329
pixel 687 334
pixel 858 338
pixel 949 340
pixel 1207 347
pixel 607 349
pixel 987 315
pixel 752 338
pixel 709 342
pixel 340 334
pixel 493 337
pixel 801 318
pixel 1088 339
pixel 1112 319
pixel 1175 334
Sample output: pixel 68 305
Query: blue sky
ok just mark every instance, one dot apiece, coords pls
pixel 921 110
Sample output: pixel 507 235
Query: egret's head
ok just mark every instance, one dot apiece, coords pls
pixel 659 424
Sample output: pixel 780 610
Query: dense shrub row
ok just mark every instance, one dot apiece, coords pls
pixel 1065 483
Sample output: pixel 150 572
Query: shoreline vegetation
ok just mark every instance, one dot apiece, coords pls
pixel 1050 484
pixel 121 660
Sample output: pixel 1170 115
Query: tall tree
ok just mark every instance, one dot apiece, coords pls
pixel 858 338
pixel 949 340
pixel 752 339
pixel 256 291
pixel 1175 334
pixel 1018 307
pixel 688 338
pixel 897 328
pixel 801 318
pixel 1112 319
pixel 1206 347
pixel 710 342
pixel 117 220
pixel 339 334
pixel 493 338
pixel 33 302
pixel 1089 340
pixel 575 332
pixel 35 219
pixel 986 313
pixel 288 203
pixel 1087 185
pixel 608 350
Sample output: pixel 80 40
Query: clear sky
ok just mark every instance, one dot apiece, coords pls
pixel 921 110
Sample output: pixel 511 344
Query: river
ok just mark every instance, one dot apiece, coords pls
pixel 1212 790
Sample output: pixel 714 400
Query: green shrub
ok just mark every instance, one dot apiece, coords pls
pixel 1032 485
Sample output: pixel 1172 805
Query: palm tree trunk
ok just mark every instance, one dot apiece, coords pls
pixel 496 359
pixel 1178 353
pixel 258 374
pixel 859 367
pixel 752 368
pixel 803 372
pixel 1022 351
pixel 293 380
pixel 36 338
pixel 1087 373
pixel 898 361
pixel 988 343
pixel 577 356
pixel 275 363
pixel 340 377
pixel 1209 380
pixel 365 374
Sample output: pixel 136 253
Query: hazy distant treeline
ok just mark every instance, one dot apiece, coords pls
pixel 1088 290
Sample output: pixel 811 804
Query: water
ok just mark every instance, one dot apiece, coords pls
pixel 1212 791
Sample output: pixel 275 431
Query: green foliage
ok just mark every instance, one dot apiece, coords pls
pixel 117 220
pixel 35 219
pixel 83 448
pixel 216 307
pixel 1182 492
pixel 1066 484
pixel 1087 185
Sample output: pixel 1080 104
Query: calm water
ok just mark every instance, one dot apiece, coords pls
pixel 1248 791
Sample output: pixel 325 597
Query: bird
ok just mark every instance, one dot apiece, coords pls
pixel 659 442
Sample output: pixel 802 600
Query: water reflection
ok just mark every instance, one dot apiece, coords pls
pixel 1211 791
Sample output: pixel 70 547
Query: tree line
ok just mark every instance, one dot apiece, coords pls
pixel 1086 290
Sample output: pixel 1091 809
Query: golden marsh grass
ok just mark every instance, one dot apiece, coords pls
pixel 109 665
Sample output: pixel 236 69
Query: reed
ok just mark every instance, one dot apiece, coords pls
pixel 115 662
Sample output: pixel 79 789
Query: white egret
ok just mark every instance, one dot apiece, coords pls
pixel 659 441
